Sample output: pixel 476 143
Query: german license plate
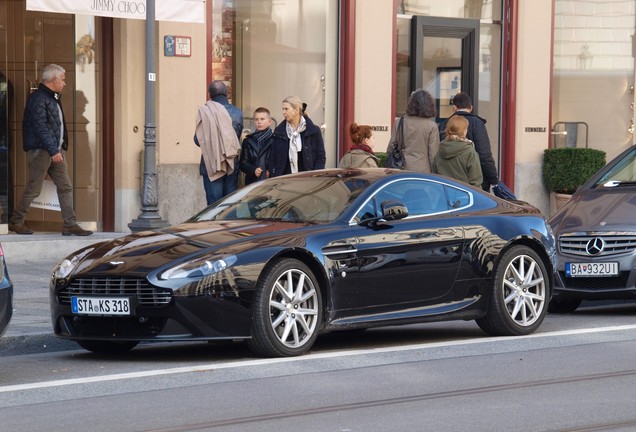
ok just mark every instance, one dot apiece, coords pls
pixel 100 305
pixel 591 269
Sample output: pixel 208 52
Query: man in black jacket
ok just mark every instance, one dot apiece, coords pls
pixel 477 133
pixel 45 139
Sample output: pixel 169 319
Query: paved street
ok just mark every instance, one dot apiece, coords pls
pixel 30 260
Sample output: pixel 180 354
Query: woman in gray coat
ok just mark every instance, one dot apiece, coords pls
pixel 420 132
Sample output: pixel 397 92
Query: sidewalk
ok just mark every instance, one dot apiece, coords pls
pixel 30 259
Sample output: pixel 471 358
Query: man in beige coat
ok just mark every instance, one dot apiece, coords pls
pixel 218 126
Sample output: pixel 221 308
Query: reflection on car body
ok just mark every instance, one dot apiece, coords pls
pixel 596 234
pixel 282 260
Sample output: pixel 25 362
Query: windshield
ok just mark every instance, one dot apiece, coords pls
pixel 624 172
pixel 307 199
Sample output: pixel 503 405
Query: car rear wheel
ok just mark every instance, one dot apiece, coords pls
pixel 563 305
pixel 107 347
pixel 287 310
pixel 518 302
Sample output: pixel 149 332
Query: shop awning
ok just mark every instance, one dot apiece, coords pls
pixel 192 11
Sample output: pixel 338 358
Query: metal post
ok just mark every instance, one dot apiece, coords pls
pixel 149 218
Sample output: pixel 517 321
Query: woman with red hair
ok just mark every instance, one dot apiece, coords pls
pixel 360 155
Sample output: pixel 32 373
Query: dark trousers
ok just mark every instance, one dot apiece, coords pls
pixel 40 164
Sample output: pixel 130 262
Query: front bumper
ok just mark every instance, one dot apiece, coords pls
pixel 218 316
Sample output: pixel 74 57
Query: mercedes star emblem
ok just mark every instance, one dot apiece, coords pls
pixel 595 246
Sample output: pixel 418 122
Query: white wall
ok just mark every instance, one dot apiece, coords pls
pixel 374 68
pixel 532 99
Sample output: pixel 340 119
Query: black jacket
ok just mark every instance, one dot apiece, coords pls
pixel 41 127
pixel 253 156
pixel 478 134
pixel 312 154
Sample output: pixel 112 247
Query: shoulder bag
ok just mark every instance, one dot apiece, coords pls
pixel 395 157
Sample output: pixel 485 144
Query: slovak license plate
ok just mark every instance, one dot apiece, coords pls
pixel 100 305
pixel 591 269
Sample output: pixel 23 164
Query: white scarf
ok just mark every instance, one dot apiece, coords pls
pixel 295 143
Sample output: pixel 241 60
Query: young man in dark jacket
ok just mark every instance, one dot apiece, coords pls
pixel 45 141
pixel 256 146
pixel 477 133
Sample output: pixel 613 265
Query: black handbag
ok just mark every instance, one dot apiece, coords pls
pixel 503 191
pixel 395 157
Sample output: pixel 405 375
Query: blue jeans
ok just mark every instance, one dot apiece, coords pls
pixel 217 189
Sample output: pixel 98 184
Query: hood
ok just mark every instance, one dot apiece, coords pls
pixel 597 210
pixel 146 251
pixel 451 149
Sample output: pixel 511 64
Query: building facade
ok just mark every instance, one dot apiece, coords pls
pixel 534 68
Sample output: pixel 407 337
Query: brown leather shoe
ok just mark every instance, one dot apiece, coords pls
pixel 19 228
pixel 76 230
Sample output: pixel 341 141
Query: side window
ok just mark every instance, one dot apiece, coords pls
pixel 421 197
pixel 457 198
pixel 425 197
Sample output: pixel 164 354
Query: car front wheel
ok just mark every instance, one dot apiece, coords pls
pixel 518 301
pixel 287 310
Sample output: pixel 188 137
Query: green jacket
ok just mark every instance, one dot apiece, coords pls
pixel 459 160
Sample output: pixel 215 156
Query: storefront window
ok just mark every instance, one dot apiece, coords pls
pixel 593 75
pixel 442 56
pixel 267 50
pixel 489 10
pixel 36 40
pixel 6 100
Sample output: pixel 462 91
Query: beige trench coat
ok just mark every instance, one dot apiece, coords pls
pixel 421 142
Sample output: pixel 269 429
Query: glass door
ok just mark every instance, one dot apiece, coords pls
pixel 29 40
pixel 444 52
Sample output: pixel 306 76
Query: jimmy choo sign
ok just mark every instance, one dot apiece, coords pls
pixel 165 10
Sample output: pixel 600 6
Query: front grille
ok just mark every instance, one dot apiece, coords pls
pixel 596 283
pixel 614 245
pixel 146 294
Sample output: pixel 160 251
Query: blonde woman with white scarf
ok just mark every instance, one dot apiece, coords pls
pixel 297 143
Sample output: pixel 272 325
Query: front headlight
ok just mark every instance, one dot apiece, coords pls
pixel 198 268
pixel 66 267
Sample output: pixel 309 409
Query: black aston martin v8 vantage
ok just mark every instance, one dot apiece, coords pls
pixel 282 260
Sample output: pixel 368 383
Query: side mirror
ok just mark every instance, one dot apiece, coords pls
pixel 394 210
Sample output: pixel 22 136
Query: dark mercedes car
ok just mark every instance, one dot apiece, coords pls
pixel 596 234
pixel 6 295
pixel 282 260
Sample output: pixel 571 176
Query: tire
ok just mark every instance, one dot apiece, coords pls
pixel 563 305
pixel 107 347
pixel 521 289
pixel 287 310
